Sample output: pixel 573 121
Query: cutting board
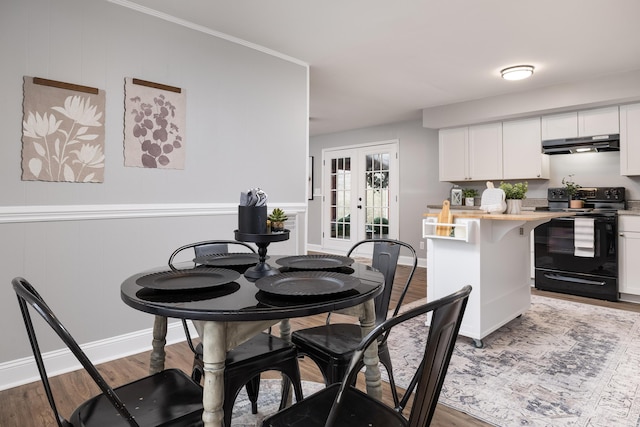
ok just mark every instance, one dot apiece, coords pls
pixel 446 217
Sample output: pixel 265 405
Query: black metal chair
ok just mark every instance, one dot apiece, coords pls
pixel 243 364
pixel 167 398
pixel 343 405
pixel 331 346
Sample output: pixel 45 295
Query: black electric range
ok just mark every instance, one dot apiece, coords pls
pixel 578 255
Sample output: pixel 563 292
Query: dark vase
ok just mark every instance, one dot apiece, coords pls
pixel 252 219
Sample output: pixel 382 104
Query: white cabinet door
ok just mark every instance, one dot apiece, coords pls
pixel 522 156
pixel 628 254
pixel 453 161
pixel 601 121
pixel 630 139
pixel 485 151
pixel 560 126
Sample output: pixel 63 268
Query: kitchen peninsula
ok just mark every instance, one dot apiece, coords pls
pixel 490 252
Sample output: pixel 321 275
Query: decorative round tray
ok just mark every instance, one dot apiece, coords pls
pixel 315 262
pixel 228 259
pixel 307 283
pixel 188 279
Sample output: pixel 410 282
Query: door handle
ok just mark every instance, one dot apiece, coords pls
pixel 359 206
pixel 560 277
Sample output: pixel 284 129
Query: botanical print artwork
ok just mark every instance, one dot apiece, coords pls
pixel 62 134
pixel 154 127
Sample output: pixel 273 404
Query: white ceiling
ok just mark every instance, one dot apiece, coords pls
pixel 381 61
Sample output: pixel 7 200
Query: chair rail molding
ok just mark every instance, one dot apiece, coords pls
pixel 48 213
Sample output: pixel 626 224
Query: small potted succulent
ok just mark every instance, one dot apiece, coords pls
pixel 277 218
pixel 469 195
pixel 573 190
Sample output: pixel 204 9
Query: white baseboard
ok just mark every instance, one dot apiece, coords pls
pixel 23 371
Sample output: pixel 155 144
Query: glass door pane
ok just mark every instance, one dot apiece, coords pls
pixel 340 208
pixel 377 195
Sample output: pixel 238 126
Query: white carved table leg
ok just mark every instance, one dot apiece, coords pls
pixel 156 363
pixel 372 371
pixel 214 354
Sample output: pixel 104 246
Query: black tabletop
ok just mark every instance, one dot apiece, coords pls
pixel 241 300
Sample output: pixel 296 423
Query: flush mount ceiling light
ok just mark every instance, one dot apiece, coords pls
pixel 518 72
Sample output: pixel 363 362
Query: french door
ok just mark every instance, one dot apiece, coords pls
pixel 360 194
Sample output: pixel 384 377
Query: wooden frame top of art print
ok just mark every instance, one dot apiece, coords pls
pixel 154 125
pixel 62 132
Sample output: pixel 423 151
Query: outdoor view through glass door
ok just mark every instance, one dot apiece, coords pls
pixel 361 196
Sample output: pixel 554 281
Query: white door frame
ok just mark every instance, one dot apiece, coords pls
pixel 359 152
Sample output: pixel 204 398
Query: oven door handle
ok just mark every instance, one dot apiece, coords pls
pixel 598 218
pixel 562 278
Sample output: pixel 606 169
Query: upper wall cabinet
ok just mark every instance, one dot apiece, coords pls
pixel 509 150
pixel 472 153
pixel 521 154
pixel 485 151
pixel 454 152
pixel 630 139
pixel 600 121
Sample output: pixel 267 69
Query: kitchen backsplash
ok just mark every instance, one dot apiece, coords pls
pixel 633 204
pixel 533 202
pixel 530 203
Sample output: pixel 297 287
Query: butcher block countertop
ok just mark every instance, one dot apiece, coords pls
pixel 524 216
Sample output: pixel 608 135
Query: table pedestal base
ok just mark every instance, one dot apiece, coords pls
pixel 261 269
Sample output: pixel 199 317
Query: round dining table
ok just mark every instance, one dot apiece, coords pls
pixel 236 308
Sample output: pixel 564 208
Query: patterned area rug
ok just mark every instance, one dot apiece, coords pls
pixel 560 364
pixel 268 402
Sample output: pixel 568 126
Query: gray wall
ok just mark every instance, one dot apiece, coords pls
pixel 419 185
pixel 247 119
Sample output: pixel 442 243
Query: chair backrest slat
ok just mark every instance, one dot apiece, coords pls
pixel 209 247
pixel 385 256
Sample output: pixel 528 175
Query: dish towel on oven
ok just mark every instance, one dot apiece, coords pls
pixel 583 237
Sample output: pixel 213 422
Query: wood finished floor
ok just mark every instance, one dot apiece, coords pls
pixel 27 406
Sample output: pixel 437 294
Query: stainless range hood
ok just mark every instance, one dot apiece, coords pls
pixel 582 144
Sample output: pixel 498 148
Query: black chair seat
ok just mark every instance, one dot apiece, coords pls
pixel 332 346
pixel 357 409
pixel 251 354
pixel 336 340
pixel 172 390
